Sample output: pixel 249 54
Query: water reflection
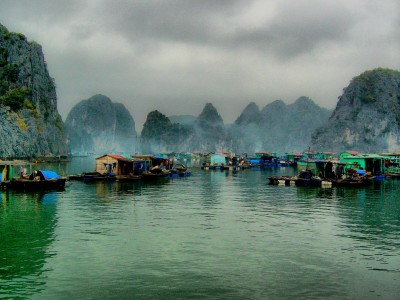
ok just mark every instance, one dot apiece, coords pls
pixel 27 228
pixel 210 186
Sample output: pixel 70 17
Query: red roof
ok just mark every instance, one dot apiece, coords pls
pixel 116 156
pixel 354 152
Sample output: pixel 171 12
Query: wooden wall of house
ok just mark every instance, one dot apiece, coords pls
pixel 105 160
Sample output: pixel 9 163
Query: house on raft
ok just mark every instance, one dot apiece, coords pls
pixel 392 164
pixel 216 161
pixel 119 165
pixel 372 163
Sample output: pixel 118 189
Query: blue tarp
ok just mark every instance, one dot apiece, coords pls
pixel 361 172
pixel 50 174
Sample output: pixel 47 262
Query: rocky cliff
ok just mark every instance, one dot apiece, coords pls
pixel 367 115
pixel 29 121
pixel 98 125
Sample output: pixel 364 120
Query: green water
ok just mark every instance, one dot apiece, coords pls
pixel 215 235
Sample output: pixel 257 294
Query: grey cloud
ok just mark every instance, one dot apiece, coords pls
pixel 42 10
pixel 168 21
pixel 294 30
pixel 176 56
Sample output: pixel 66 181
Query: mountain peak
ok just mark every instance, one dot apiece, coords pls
pixel 251 114
pixel 210 115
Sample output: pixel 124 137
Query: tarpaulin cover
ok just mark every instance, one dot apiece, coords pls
pixel 50 174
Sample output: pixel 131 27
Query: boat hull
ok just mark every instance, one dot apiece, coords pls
pixel 35 185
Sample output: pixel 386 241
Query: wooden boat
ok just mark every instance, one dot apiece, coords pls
pixel 179 170
pixel 96 176
pixel 92 176
pixel 155 173
pixel 38 180
pixel 128 178
pixel 306 178
pixel 394 175
pixel 353 181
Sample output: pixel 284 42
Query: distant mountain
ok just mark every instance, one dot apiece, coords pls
pixel 277 127
pixel 367 116
pixel 210 130
pixel 301 120
pixel 30 124
pixel 159 134
pixel 207 133
pixel 101 126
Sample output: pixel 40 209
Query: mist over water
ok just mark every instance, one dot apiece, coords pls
pixel 213 235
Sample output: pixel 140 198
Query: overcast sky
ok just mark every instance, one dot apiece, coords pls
pixel 175 56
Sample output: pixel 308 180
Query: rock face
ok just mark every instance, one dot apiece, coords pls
pixel 100 126
pixel 29 121
pixel 367 116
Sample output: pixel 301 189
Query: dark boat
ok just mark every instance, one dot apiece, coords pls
pixel 155 173
pixel 128 178
pixel 38 180
pixel 96 176
pixel 179 170
pixel 306 178
pixel 355 181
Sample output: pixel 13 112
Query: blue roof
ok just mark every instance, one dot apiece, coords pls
pixel 50 174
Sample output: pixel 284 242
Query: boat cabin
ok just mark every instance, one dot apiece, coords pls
pixel 329 169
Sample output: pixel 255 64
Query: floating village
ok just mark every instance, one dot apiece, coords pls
pixel 322 169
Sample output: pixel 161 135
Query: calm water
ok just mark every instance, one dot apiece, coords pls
pixel 214 235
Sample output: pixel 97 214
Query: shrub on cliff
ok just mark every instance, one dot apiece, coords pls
pixel 14 98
